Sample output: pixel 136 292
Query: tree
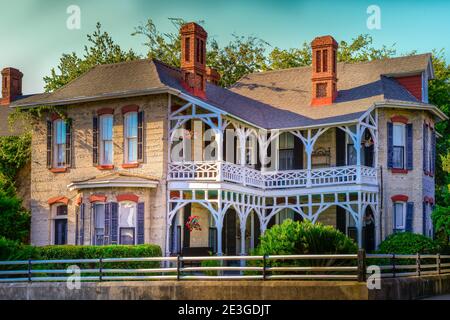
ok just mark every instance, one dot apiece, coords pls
pixel 101 49
pixel 441 221
pixel 14 220
pixel 439 95
pixel 241 56
pixel 165 47
pixel 358 50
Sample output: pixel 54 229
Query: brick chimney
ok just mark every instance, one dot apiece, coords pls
pixel 324 70
pixel 11 85
pixel 193 58
pixel 212 75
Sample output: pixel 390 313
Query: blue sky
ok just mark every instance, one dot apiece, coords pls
pixel 36 34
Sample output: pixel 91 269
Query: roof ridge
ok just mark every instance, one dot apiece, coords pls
pixel 260 73
pixel 122 62
pixel 93 68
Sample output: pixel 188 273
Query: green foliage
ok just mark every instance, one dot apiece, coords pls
pixel 15 152
pixel 165 47
pixel 408 243
pixel 289 58
pixel 101 49
pixel 292 237
pixel 211 263
pixel 441 221
pixel 439 95
pixel 13 250
pixel 14 220
pixel 358 50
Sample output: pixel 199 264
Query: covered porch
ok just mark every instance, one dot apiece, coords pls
pixel 232 222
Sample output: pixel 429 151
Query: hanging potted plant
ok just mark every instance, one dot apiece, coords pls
pixel 193 223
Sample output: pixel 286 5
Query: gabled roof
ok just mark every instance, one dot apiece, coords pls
pixel 274 99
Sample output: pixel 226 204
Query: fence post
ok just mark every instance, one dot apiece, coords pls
pixel 29 270
pixel 264 267
pixel 101 269
pixel 418 264
pixel 178 267
pixel 393 265
pixel 438 263
pixel 362 265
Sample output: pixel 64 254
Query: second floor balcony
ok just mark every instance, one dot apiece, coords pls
pixel 221 171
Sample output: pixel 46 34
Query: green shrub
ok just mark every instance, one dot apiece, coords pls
pixel 211 263
pixel 294 238
pixel 13 250
pixel 304 238
pixel 14 220
pixel 408 243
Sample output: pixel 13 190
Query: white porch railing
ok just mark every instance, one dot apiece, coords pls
pixel 225 171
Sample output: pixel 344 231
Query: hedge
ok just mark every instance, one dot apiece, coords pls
pixel 13 250
pixel 408 243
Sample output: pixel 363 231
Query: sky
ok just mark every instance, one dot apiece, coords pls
pixel 34 33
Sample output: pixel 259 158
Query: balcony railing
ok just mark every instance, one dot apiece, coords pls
pixel 229 172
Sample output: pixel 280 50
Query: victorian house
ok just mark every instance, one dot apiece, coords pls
pixel 137 148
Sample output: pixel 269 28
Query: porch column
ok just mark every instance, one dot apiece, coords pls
pixel 359 223
pixel 308 150
pixel 169 225
pixel 357 142
pixel 243 227
pixel 219 237
pixel 219 155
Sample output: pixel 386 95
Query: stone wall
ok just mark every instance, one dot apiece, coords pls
pixel 409 288
pixel 199 238
pixel 413 183
pixel 45 184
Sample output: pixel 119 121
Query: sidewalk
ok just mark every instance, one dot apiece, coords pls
pixel 443 297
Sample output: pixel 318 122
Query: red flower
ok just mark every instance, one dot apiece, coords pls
pixel 193 223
